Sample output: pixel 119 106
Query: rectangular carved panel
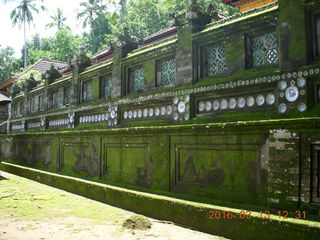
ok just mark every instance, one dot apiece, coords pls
pixel 226 167
pixel 128 163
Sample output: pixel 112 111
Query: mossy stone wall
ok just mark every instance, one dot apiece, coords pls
pixel 292 30
pixel 230 164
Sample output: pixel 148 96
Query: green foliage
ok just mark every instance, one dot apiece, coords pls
pixel 32 74
pixel 22 14
pixel 95 39
pixel 156 15
pixel 65 45
pixel 91 10
pixel 8 64
pixel 52 74
pixel 58 20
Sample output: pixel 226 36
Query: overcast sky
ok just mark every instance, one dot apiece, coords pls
pixel 13 36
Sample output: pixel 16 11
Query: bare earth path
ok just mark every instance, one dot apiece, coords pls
pixel 33 211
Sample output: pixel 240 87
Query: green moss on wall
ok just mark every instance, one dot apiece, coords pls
pixel 292 21
pixel 95 87
pixel 185 38
pixel 234 49
pixel 149 73
pixel 145 123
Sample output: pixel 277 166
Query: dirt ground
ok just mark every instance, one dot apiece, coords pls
pixel 33 211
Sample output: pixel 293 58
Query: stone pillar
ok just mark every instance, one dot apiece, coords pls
pixel 292 34
pixel 124 45
pixel 189 22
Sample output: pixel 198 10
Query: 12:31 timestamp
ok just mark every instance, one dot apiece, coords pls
pixel 283 214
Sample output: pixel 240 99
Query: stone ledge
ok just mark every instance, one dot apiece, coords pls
pixel 191 214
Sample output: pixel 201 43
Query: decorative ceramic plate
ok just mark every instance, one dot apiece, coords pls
pixel 241 102
pixel 250 101
pixel 232 103
pixel 282 108
pixel 223 104
pixel 163 110
pixel 181 107
pixel 201 106
pixel 208 106
pixel 145 112
pixel 157 111
pixel 151 111
pixel 113 113
pixel 260 100
pixel 301 82
pixel 215 105
pixel 270 99
pixel 302 107
pixel 282 85
pixel 292 93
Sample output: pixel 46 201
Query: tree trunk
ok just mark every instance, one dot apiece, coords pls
pixel 25 42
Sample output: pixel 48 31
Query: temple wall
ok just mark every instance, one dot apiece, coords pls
pixel 257 163
pixel 238 125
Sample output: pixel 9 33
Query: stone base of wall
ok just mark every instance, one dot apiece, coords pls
pixel 227 222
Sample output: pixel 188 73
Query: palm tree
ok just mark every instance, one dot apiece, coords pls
pixel 92 10
pixel 58 20
pixel 22 14
pixel 123 10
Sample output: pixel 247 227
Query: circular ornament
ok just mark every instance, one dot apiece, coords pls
pixel 186 116
pixel 145 112
pixel 187 98
pixel 282 85
pixel 292 93
pixel 301 82
pixel 129 115
pixel 139 113
pixel 113 113
pixel 250 101
pixel 270 99
pixel 215 105
pixel 241 102
pixel 135 114
pixel 223 104
pixel 282 108
pixel 151 111
pixel 181 107
pixel 208 106
pixel 201 106
pixel 169 109
pixel 175 116
pixel 260 100
pixel 232 103
pixel 163 110
pixel 302 107
pixel 157 111
pixel 175 100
